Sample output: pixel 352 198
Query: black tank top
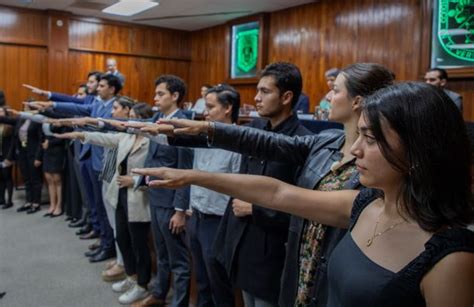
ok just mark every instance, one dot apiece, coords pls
pixel 355 280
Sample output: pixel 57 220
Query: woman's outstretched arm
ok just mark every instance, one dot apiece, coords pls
pixel 329 208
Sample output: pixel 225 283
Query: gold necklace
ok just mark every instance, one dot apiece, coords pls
pixel 377 234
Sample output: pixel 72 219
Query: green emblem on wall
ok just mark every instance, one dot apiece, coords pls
pixel 247 49
pixel 456 28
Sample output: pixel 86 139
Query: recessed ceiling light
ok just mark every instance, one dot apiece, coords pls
pixel 129 7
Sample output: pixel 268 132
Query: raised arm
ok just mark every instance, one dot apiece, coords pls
pixel 252 141
pixel 59 97
pixel 103 139
pixel 329 208
pixel 96 138
pixel 8 120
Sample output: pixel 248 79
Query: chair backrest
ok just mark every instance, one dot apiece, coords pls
pixel 190 114
pixel 317 126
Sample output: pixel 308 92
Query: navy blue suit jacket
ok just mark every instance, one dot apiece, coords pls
pixel 95 109
pixel 302 104
pixel 169 156
pixel 58 97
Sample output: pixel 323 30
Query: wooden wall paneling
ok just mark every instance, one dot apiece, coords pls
pixel 322 35
pixel 207 59
pixel 18 65
pixel 140 72
pixel 465 87
pixel 161 42
pixel 58 47
pixel 25 27
pixel 104 37
pixel 94 36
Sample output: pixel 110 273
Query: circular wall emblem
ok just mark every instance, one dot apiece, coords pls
pixel 456 28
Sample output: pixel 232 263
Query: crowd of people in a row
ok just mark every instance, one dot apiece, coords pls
pixel 373 214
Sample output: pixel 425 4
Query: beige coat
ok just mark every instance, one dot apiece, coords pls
pixel 138 204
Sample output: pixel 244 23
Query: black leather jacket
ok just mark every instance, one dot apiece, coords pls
pixel 316 154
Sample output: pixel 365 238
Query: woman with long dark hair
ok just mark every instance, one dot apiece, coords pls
pixel 407 243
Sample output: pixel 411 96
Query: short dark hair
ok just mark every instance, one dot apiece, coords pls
pixel 174 84
pixel 227 95
pixel 125 102
pixel 443 74
pixel 332 72
pixel 83 85
pixel 96 74
pixel 287 78
pixel 142 110
pixel 436 191
pixel 112 81
pixel 363 79
pixel 3 100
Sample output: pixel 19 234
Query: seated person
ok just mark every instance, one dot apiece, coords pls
pixel 330 75
pixel 200 105
pixel 302 106
pixel 439 78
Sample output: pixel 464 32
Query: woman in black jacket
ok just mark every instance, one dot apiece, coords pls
pixel 6 180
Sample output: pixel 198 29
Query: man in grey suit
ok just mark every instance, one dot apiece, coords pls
pixel 111 64
pixel 439 77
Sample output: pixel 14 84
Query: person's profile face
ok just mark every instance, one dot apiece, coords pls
pixel 215 111
pixel 118 111
pixel 132 114
pixel 104 90
pixel 164 99
pixel 268 100
pixel 92 84
pixel 341 103
pixel 374 169
pixel 81 92
pixel 330 81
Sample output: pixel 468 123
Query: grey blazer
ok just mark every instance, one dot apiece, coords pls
pixel 455 97
pixel 138 204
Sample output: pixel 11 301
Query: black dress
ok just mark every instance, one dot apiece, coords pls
pixel 54 158
pixel 355 280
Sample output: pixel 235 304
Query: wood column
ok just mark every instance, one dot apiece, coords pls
pixel 58 51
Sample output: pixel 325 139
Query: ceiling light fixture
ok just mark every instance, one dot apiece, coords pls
pixel 130 7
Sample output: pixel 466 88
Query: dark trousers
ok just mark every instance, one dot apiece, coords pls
pixel 32 176
pixel 201 231
pixel 223 291
pixel 6 184
pixel 173 256
pixel 87 182
pixel 85 206
pixel 73 195
pixel 132 239
pixel 100 222
pixel 107 240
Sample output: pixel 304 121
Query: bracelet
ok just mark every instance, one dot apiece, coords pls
pixel 210 132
